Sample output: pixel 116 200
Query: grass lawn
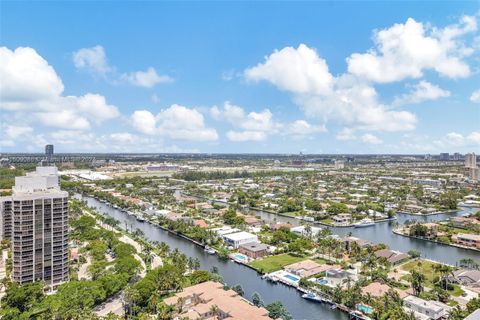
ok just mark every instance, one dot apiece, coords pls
pixel 274 263
pixel 292 214
pixel 422 266
pixel 457 291
pixel 326 221
pixel 320 261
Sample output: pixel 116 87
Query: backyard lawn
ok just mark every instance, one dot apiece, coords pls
pixel 457 291
pixel 425 268
pixel 422 266
pixel 320 261
pixel 274 263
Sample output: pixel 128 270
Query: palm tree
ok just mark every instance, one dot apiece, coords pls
pixel 164 249
pixel 180 304
pixel 445 272
pixel 418 280
pixel 164 311
pixel 214 310
pixel 308 231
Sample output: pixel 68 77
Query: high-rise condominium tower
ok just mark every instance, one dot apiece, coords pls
pixel 35 219
pixel 49 152
pixel 470 160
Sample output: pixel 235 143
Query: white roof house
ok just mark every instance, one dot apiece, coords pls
pixel 433 309
pixel 239 238
pixel 300 230
pixel 224 230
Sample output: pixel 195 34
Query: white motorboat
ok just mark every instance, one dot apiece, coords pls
pixel 312 296
pixel 364 223
pixel 209 250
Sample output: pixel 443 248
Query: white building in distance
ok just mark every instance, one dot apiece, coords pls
pixel 470 160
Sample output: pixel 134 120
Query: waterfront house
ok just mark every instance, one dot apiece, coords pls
pixel 252 221
pixel 342 218
pixel 378 290
pixel 200 223
pixel 306 268
pixel 432 309
pixel 302 231
pixel 468 240
pixel 203 206
pixel 162 212
pixel 209 300
pixel 279 225
pixel 466 277
pixel 239 238
pixel 338 276
pixel 173 216
pixel 463 222
pixel 394 257
pixel 254 250
pixel 221 231
pixel 360 242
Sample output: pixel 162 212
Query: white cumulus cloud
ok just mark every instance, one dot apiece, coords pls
pixel 475 97
pixel 423 91
pixel 25 77
pixel 97 106
pixel 94 59
pixel 456 140
pixel 346 134
pixel 33 91
pixel 258 126
pixel 371 139
pixel 176 122
pixel 242 136
pixel 407 50
pixel 147 79
pixel 346 98
pixel 300 128
pixel 298 70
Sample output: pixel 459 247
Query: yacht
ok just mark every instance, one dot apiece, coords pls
pixel 364 223
pixel 209 250
pixel 312 296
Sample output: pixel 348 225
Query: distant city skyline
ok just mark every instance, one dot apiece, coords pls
pixel 269 77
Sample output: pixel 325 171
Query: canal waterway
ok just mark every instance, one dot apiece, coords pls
pixel 231 272
pixel 382 233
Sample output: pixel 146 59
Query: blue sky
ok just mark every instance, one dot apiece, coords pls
pixel 276 77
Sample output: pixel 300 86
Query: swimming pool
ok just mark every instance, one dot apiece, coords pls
pixel 322 281
pixel 240 257
pixel 290 277
pixel 364 308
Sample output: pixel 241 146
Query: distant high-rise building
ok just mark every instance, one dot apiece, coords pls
pixel 49 152
pixel 475 174
pixel 444 156
pixel 35 219
pixel 339 164
pixel 470 160
pixel 457 156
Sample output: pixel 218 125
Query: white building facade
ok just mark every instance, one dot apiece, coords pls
pixel 35 219
pixel 239 238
